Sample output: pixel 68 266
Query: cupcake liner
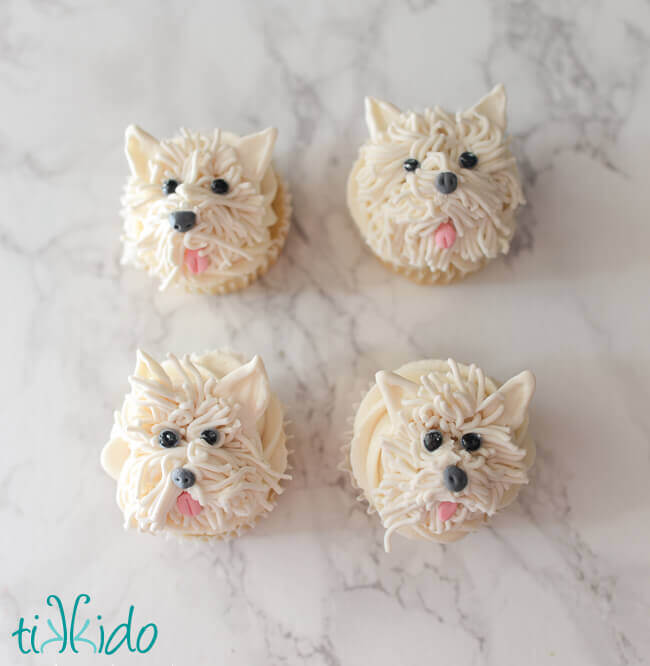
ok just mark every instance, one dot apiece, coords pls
pixel 344 465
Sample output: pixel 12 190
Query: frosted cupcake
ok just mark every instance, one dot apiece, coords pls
pixel 206 212
pixel 198 448
pixel 438 448
pixel 434 194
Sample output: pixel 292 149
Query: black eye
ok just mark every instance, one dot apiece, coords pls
pixel 168 438
pixel 211 436
pixel 467 160
pixel 219 186
pixel 169 186
pixel 410 164
pixel 471 441
pixel 432 440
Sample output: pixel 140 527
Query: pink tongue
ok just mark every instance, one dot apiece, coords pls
pixel 195 262
pixel 446 510
pixel 445 235
pixel 187 505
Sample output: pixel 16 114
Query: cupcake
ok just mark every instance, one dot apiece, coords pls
pixel 438 448
pixel 198 448
pixel 205 212
pixel 434 194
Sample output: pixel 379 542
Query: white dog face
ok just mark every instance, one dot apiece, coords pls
pixel 452 455
pixel 439 190
pixel 186 451
pixel 197 208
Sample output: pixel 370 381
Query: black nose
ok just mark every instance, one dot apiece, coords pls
pixel 183 478
pixel 455 478
pixel 182 220
pixel 446 182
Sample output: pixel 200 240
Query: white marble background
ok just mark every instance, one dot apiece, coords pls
pixel 561 578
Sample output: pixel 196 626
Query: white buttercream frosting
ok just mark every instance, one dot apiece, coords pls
pixel 237 234
pixel 404 482
pixel 237 480
pixel 399 212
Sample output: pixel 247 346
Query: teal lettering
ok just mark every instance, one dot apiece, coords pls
pixel 141 633
pixel 101 634
pixel 79 635
pixel 19 635
pixel 61 636
pixel 32 640
pixel 127 635
pixel 58 638
pixel 64 632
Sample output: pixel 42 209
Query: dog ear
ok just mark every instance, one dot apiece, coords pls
pixel 113 456
pixel 493 106
pixel 379 115
pixel 140 147
pixel 517 394
pixel 255 152
pixel 394 389
pixel 148 368
pixel 248 386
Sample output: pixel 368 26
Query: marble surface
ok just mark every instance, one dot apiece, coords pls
pixel 563 577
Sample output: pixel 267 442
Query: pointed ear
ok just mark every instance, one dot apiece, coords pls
pixel 113 456
pixel 493 106
pixel 147 367
pixel 394 389
pixel 248 386
pixel 255 152
pixel 140 147
pixel 379 115
pixel 517 394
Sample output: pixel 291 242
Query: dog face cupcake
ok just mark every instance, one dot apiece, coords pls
pixel 435 194
pixel 206 212
pixel 198 447
pixel 438 447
